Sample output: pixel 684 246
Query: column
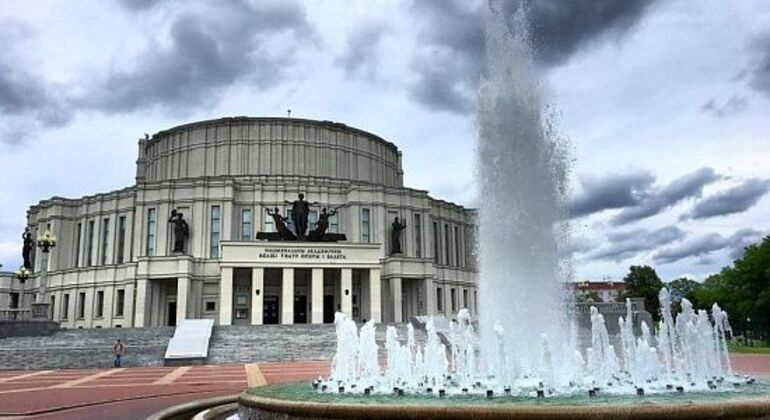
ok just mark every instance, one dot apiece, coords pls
pixel 395 292
pixel 346 291
pixel 141 302
pixel 375 311
pixel 287 296
pixel 317 296
pixel 182 297
pixel 226 297
pixel 429 291
pixel 257 294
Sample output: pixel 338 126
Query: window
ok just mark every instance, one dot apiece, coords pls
pixel 417 229
pixel 51 309
pixel 475 301
pixel 334 223
pixel 105 238
pixel 100 304
pixel 82 305
pixel 453 297
pixel 65 306
pixel 121 238
pixel 465 298
pixel 90 243
pixel 150 250
pixel 215 232
pixel 447 259
pixel 457 246
pixel 14 300
pixel 246 225
pixel 436 247
pixel 440 299
pixel 365 222
pixel 120 302
pixel 211 306
pixel 78 231
pixel 268 226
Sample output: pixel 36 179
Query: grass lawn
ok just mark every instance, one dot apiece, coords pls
pixel 764 348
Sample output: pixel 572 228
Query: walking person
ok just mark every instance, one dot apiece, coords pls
pixel 118 349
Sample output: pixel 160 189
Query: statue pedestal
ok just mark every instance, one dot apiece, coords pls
pixel 40 311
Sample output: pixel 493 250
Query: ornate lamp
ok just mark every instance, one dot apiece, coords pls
pixel 23 274
pixel 46 241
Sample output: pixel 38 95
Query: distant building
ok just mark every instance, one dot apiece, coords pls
pixel 114 266
pixel 607 290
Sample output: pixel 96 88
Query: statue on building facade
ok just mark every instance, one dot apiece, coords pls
pixel 300 209
pixel 28 245
pixel 280 224
pixel 395 236
pixel 181 230
pixel 322 225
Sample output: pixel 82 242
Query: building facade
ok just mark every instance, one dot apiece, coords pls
pixel 114 266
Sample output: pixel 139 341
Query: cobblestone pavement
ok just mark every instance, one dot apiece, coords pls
pixel 134 393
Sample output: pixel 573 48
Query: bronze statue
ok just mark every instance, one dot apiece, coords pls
pixel 299 212
pixel 280 224
pixel 395 236
pixel 181 230
pixel 323 223
pixel 27 247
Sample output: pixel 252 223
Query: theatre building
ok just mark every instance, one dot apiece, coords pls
pixel 116 262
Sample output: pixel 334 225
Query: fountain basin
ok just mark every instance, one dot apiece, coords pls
pixel 299 401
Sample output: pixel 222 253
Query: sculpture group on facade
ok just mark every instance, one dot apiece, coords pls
pixel 300 210
pixel 181 231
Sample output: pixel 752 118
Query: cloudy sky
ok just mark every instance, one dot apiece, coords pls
pixel 666 103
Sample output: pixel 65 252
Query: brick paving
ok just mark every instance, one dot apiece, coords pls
pixel 134 393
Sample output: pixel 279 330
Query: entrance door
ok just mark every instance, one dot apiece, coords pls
pixel 328 309
pixel 270 310
pixel 300 309
pixel 171 316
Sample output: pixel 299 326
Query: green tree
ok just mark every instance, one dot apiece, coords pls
pixel 643 282
pixel 683 288
pixel 588 297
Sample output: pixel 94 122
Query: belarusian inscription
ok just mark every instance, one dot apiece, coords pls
pixel 302 253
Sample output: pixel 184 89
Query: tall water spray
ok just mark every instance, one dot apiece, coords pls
pixel 521 171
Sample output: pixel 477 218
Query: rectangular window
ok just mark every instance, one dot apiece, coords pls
pixel 81 305
pixel 436 246
pixel 465 298
pixel 120 302
pixel 457 246
pixel 268 226
pixel 78 230
pixel 14 300
pixel 211 306
pixel 447 259
pixel 365 226
pixel 121 238
pixel 52 308
pixel 105 238
pixel 90 243
pixel 150 249
pixel 65 306
pixel 453 297
pixel 246 225
pixel 440 299
pixel 100 304
pixel 215 232
pixel 334 223
pixel 417 229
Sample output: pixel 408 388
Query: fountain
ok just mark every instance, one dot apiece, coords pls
pixel 524 350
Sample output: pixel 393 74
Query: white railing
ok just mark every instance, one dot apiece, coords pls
pixel 15 314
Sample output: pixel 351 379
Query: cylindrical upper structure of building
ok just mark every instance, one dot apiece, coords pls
pixel 269 147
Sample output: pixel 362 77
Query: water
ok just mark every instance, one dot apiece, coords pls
pixel 526 345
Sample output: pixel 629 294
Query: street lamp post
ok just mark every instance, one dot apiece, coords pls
pixel 23 274
pixel 46 242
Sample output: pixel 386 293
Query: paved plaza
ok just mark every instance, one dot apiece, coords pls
pixel 134 393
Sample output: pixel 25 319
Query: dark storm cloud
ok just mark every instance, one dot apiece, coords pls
pixel 686 186
pixel 705 244
pixel 612 192
pixel 361 56
pixel 26 99
pixel 734 105
pixel 628 244
pixel 734 200
pixel 759 78
pixel 453 39
pixel 209 52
